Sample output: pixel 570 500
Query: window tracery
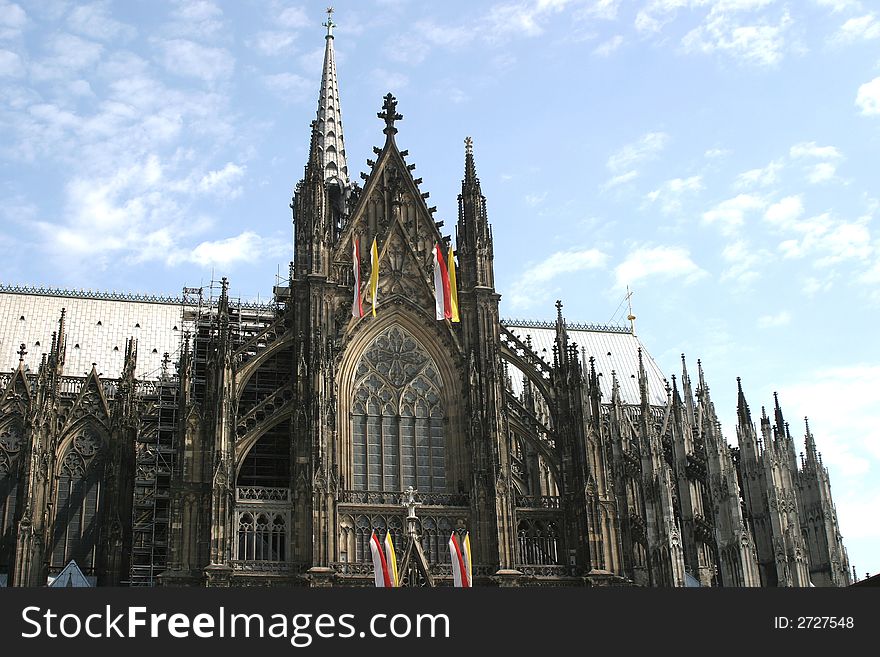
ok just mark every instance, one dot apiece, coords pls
pixel 398 436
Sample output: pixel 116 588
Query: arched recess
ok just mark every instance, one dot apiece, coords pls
pixel 550 457
pixel 395 377
pixel 532 375
pixel 271 358
pixel 79 498
pixel 12 439
pixel 265 460
pixel 262 516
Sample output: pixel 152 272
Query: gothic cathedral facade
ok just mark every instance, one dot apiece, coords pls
pixel 280 436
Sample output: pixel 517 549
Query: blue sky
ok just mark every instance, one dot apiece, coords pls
pixel 717 156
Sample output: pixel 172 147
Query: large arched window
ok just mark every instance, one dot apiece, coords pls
pixel 398 436
pixel 11 447
pixel 78 501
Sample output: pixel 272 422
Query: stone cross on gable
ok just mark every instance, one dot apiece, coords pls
pixel 389 114
pixel 21 353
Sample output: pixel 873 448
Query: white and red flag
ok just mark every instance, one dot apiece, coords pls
pixel 461 561
pixel 380 563
pixel 443 302
pixel 357 308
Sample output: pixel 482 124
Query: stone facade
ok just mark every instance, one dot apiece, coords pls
pixel 262 444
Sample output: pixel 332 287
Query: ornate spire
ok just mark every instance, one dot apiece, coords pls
pixel 742 407
pixel 330 140
pixel 810 444
pixel 470 169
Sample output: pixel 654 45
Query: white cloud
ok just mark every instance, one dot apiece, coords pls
pixel 600 9
pixel 70 54
pixel 222 182
pixel 534 200
pixel 10 64
pixel 782 318
pixel 868 98
pixel 93 21
pixel 622 179
pixel 730 215
pixel 826 240
pixel 246 247
pixel 273 42
pixel 753 40
pixel 670 193
pixel 647 147
pixel 199 19
pixel 822 172
pixel 664 262
pixel 861 28
pixel 810 149
pixel 524 18
pixel 841 403
pixel 838 5
pixel 388 80
pixel 744 261
pixel 289 86
pixel 761 177
pixel 785 212
pixel 293 18
pixel 607 47
pixel 714 153
pixel 531 285
pixel 188 58
pixel 12 20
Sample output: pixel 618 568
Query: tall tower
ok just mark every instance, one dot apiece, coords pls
pixel 330 140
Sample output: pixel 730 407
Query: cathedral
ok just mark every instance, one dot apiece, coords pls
pixel 205 441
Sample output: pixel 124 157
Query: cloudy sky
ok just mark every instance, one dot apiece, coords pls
pixel 717 156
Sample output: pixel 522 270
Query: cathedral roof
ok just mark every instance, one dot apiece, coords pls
pixel 98 324
pixel 614 348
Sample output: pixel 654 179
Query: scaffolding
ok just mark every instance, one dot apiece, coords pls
pixel 154 458
pixel 253 327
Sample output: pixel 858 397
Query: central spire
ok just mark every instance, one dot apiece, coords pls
pixel 330 140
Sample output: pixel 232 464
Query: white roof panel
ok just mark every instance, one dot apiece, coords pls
pixel 613 349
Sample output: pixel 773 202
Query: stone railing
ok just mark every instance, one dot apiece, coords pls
pixel 261 494
pixel 542 571
pixel 537 502
pixel 395 498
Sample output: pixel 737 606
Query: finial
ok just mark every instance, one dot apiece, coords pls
pixel 559 310
pixel 630 316
pixel 468 146
pixel 329 24
pixel 389 114
pixel 21 353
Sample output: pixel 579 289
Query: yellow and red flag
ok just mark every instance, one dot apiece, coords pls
pixel 374 274
pixel 453 286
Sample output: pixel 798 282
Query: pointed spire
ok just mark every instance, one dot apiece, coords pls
pixel 473 234
pixel 615 388
pixel 742 407
pixel 330 139
pixel 470 169
pixel 777 413
pixel 810 443
pixel 643 379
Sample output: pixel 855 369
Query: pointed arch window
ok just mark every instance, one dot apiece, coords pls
pixel 78 501
pixel 398 421
pixel 11 447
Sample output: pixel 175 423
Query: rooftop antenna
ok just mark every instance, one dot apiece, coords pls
pixel 630 317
